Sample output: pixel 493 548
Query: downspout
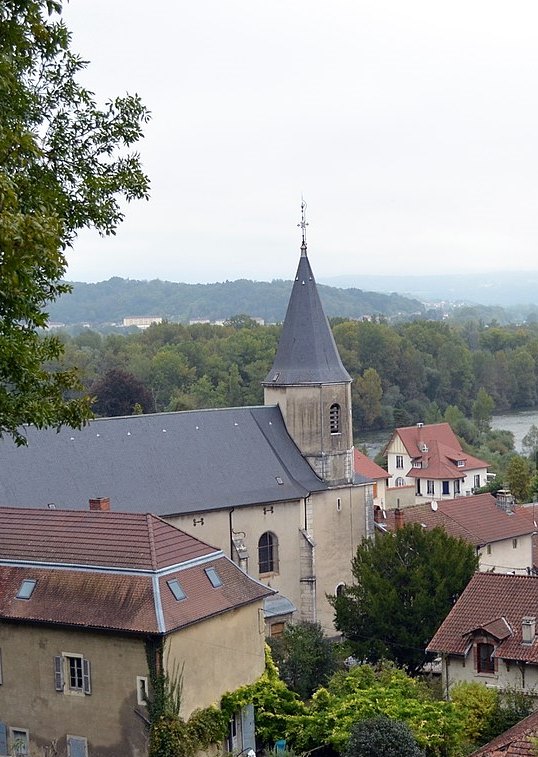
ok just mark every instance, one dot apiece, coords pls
pixel 231 533
pixel 445 660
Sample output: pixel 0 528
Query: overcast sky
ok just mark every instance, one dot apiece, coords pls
pixel 409 127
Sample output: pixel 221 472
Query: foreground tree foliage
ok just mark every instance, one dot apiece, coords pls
pixel 305 657
pixel 405 585
pixel 378 736
pixel 61 169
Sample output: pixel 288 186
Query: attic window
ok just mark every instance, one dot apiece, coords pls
pixel 279 481
pixel 176 589
pixel 275 377
pixel 334 418
pixel 460 463
pixel 26 589
pixel 214 577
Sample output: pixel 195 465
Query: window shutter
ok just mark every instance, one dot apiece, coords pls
pixel 247 727
pixel 76 747
pixel 3 739
pixel 86 677
pixel 59 673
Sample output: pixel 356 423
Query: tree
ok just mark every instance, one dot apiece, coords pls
pixel 406 583
pixel 61 169
pixel 367 394
pixel 483 408
pixel 305 657
pixel 518 477
pixel 121 393
pixel 378 736
pixel 529 443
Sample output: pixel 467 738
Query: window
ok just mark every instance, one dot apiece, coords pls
pixel 176 589
pixel 430 488
pixel 26 589
pixel 446 487
pixel 276 630
pixel 72 674
pixel 334 418
pixel 488 549
pixel 418 486
pixel 477 481
pixel 400 481
pixel 399 461
pixel 416 464
pixel 461 463
pixel 268 553
pixel 484 659
pixel 340 590
pixel 457 486
pixel 514 543
pixel 214 577
pixel 142 690
pixel 77 746
pixel 19 739
pixel 338 504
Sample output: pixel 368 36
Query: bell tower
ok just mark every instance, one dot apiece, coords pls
pixel 309 382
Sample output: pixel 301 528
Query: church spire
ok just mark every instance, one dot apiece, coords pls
pixel 303 226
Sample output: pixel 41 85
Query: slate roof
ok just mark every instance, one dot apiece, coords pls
pixel 307 352
pixel 477 519
pixel 166 463
pixel 516 742
pixel 488 599
pixel 83 584
pixel 440 461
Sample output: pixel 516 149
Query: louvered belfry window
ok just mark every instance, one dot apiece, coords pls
pixel 334 418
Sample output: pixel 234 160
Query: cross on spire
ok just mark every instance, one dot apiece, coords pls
pixel 302 225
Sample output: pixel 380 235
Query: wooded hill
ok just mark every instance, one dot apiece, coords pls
pixel 112 300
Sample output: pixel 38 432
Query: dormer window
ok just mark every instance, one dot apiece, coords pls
pixel 485 662
pixel 460 463
pixel 334 418
pixel 417 463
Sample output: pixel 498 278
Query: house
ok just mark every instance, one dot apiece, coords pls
pixel 431 459
pixel 518 741
pixel 501 532
pixel 367 468
pixel 273 486
pixel 91 603
pixel 490 634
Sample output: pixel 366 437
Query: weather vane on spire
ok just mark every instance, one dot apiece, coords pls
pixel 303 224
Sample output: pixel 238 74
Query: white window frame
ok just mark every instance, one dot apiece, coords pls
pixel 430 487
pixel 141 689
pixel 399 462
pixel 461 463
pixel 82 739
pixel 86 687
pixel 13 739
pixel 400 481
pixel 477 480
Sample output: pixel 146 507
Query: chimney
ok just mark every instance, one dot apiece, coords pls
pixel 505 500
pixel 528 629
pixel 378 514
pixel 398 519
pixel 100 503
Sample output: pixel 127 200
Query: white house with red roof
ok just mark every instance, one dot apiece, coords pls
pixel 368 469
pixel 92 606
pixel 430 458
pixel 489 636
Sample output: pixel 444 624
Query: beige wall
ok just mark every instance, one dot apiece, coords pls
pixel 505 558
pixel 218 655
pixel 106 717
pixel 511 675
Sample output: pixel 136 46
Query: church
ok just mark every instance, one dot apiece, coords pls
pixel 273 486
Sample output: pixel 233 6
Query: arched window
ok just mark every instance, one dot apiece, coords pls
pixel 334 418
pixel 268 553
pixel 340 589
pixel 400 481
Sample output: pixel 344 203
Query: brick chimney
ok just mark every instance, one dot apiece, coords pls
pixel 100 503
pixel 398 519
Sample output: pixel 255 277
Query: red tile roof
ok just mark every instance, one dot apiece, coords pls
pixel 366 467
pixel 443 452
pixel 516 742
pixel 110 571
pixel 491 598
pixel 120 540
pixel 477 519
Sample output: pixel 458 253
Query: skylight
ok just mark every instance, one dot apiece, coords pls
pixel 26 588
pixel 214 577
pixel 176 589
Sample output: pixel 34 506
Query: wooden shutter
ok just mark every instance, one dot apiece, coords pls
pixel 86 677
pixel 77 746
pixel 59 673
pixel 3 739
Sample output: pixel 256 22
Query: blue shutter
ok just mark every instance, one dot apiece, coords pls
pixel 247 727
pixel 86 677
pixel 76 747
pixel 3 739
pixel 59 673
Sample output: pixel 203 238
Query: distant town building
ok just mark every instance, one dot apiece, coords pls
pixel 142 321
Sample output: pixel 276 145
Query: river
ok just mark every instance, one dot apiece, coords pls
pixel 517 422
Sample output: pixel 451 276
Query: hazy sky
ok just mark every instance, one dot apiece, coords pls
pixel 410 127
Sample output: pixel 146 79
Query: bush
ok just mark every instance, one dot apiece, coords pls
pixel 382 737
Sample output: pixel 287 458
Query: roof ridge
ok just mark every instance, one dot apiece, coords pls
pixel 151 537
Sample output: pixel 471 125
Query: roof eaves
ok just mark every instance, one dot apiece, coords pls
pixel 159 614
